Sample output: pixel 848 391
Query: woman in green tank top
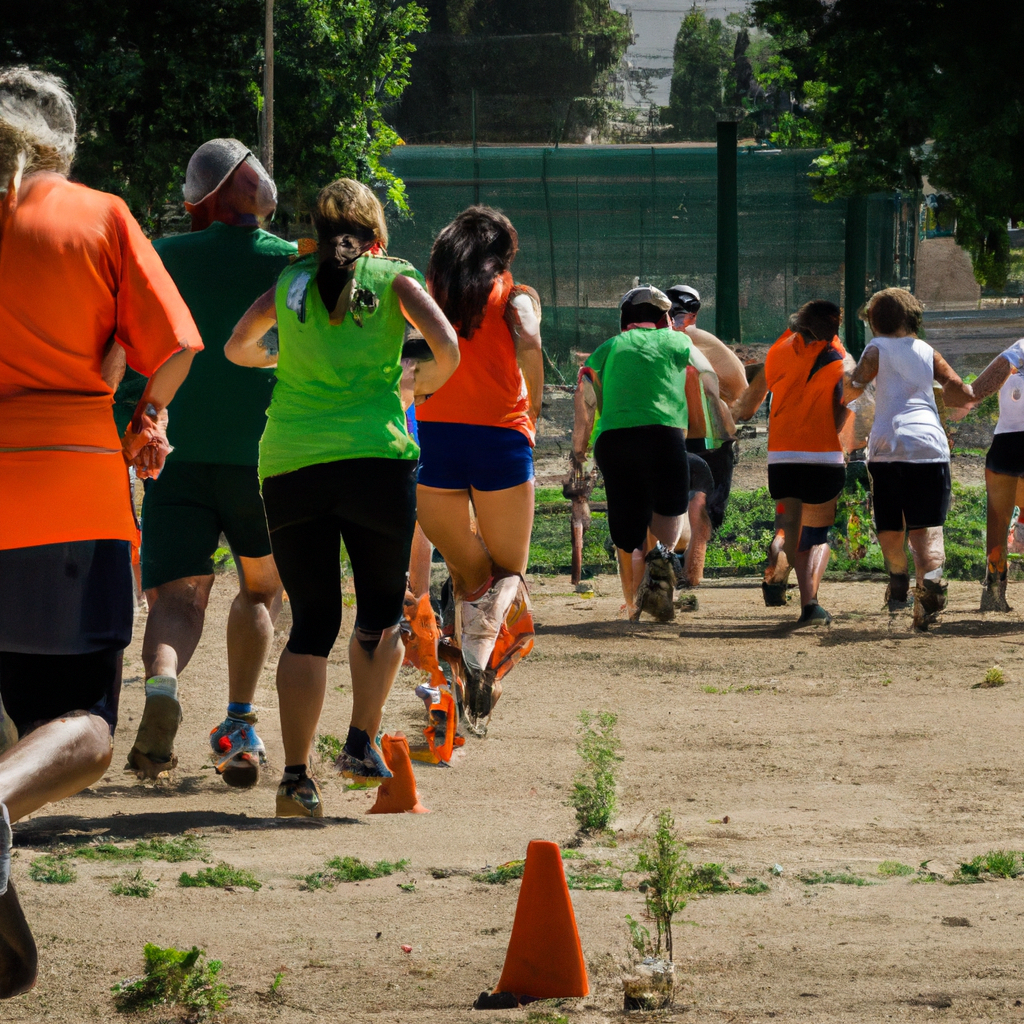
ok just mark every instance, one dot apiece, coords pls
pixel 337 465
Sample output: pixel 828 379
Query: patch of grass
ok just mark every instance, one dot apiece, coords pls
pixel 998 863
pixel 752 887
pixel 407 886
pixel 328 747
pixel 546 1017
pixel 993 677
pixel 221 877
pixel 350 869
pixel 832 878
pixel 716 689
pixel 173 850
pixel 133 884
pixel 52 869
pixel 894 869
pixel 593 789
pixel 707 878
pixel 502 874
pixel 586 880
pixel 173 977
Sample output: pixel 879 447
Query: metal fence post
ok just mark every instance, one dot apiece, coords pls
pixel 856 271
pixel 727 285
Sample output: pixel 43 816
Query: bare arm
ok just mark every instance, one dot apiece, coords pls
pixel 863 373
pixel 426 316
pixel 529 352
pixel 585 412
pixel 955 393
pixel 750 401
pixel 732 379
pixel 992 378
pixel 246 346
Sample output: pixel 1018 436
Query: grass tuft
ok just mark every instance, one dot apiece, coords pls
pixel 133 884
pixel 220 877
pixel 993 677
pixel 832 878
pixel 329 747
pixel 174 977
pixel 502 874
pixel 350 869
pixel 893 868
pixel 998 863
pixel 593 789
pixel 753 887
pixel 52 869
pixel 173 850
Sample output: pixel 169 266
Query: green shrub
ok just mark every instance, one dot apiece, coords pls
pixel 52 869
pixel 220 877
pixel 174 978
pixel 350 869
pixel 133 884
pixel 893 868
pixel 593 790
pixel 503 873
pixel 668 878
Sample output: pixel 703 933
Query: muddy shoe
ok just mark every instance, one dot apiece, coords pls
pixel 993 593
pixel 237 751
pixel 897 592
pixel 153 752
pixel 479 701
pixel 478 622
pixel 299 798
pixel 813 615
pixel 929 601
pixel 775 594
pixel 657 589
pixel 369 770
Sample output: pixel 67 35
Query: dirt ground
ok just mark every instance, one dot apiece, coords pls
pixel 832 750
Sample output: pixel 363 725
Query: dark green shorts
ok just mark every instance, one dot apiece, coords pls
pixel 185 511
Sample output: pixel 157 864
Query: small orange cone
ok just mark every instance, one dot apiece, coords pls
pixel 544 958
pixel 397 794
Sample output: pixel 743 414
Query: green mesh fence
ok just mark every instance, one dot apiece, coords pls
pixel 591 219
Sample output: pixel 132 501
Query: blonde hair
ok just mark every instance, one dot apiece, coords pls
pixel 37 124
pixel 347 204
pixel 892 310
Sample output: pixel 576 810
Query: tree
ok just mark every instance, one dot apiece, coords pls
pixel 701 67
pixel 153 81
pixel 902 89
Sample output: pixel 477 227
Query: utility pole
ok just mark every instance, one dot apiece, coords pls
pixel 267 119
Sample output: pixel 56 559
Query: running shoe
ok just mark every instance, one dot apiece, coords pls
pixel 993 593
pixel 814 615
pixel 370 770
pixel 897 592
pixel 299 798
pixel 678 570
pixel 929 600
pixel 775 594
pixel 237 751
pixel 657 588
pixel 153 751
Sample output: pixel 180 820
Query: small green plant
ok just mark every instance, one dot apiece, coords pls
pixel 173 850
pixel 993 677
pixel 546 1017
pixel 502 874
pixel 407 886
pixel 706 878
pixel 832 878
pixel 350 869
pixel 594 881
pixel 667 881
pixel 328 747
pixel 593 789
pixel 640 938
pixel 275 985
pixel 53 869
pixel 1000 863
pixel 752 887
pixel 222 876
pixel 893 869
pixel 133 884
pixel 174 978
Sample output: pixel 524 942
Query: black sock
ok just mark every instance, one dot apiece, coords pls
pixel 356 742
pixel 293 772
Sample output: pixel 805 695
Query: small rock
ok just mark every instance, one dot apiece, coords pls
pixel 406 949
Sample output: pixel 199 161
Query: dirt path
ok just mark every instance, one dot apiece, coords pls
pixel 828 751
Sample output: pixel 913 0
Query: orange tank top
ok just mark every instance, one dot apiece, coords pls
pixel 802 377
pixel 488 388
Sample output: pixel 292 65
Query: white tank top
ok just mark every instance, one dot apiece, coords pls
pixel 907 427
pixel 1011 394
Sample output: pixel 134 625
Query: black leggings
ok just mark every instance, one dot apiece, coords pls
pixel 370 504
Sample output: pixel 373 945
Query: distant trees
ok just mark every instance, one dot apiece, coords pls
pixel 702 67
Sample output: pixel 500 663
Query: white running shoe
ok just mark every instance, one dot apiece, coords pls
pixel 477 623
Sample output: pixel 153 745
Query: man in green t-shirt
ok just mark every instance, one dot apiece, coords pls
pixel 210 486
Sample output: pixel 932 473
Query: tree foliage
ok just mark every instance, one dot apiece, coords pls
pixel 702 67
pixel 153 81
pixel 902 89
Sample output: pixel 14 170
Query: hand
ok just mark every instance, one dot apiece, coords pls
pixel 145 445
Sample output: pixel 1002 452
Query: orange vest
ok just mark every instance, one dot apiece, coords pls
pixel 488 388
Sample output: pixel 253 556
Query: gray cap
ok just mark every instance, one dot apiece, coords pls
pixel 646 294
pixel 211 165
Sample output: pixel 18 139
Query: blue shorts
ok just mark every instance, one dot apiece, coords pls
pixel 460 456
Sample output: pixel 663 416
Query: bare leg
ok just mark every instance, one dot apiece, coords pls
pixel 251 625
pixel 929 551
pixel 419 563
pixel 301 685
pixel 788 521
pixel 1002 494
pixel 668 529
pixel 372 678
pixel 444 517
pixel 505 521
pixel 175 624
pixel 894 550
pixel 700 536
pixel 810 568
pixel 625 560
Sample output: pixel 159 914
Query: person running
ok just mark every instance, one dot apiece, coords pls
pixel 210 486
pixel 908 453
pixel 1004 466
pixel 476 437
pixel 634 386
pixel 804 372
pixel 337 464
pixel 77 277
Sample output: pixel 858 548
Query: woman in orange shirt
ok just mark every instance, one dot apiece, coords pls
pixel 476 438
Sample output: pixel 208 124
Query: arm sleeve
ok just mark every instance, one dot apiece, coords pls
pixel 153 321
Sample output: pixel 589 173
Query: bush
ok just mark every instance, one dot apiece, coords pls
pixel 593 790
pixel 174 978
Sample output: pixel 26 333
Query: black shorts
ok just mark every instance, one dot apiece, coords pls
pixel 909 495
pixel 370 504
pixel 720 461
pixel 701 479
pixel 809 482
pixel 185 511
pixel 646 471
pixel 1006 456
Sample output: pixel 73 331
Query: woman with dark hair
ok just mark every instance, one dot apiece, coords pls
pixel 908 454
pixel 476 439
pixel 804 371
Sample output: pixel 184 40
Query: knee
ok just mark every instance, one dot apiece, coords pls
pixel 188 598
pixel 97 746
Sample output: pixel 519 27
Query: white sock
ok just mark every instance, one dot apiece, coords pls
pixel 166 685
pixel 935 575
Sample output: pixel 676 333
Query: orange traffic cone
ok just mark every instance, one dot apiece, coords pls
pixel 397 794
pixel 544 958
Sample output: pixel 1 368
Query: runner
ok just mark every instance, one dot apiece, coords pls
pixel 210 484
pixel 806 469
pixel 76 276
pixel 908 454
pixel 634 386
pixel 337 464
pixel 1004 466
pixel 477 435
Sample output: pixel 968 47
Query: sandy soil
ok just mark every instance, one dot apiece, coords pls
pixel 828 751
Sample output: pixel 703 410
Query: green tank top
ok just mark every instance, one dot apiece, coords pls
pixel 337 392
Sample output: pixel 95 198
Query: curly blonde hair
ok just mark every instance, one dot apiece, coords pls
pixel 346 204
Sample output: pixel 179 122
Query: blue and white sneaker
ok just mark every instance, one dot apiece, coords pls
pixel 237 751
pixel 369 770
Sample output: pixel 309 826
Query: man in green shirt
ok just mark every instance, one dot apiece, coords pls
pixel 210 486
